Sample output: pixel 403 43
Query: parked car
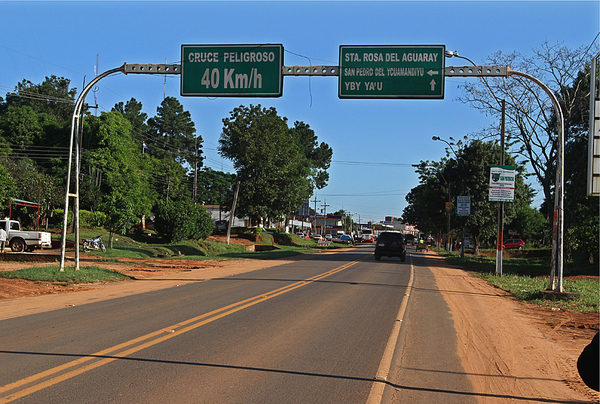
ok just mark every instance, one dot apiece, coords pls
pixel 19 240
pixel 302 235
pixel 316 236
pixel 346 239
pixel 514 243
pixel 390 244
pixel 328 237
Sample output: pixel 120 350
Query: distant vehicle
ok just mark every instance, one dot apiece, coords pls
pixel 367 235
pixel 346 239
pixel 316 236
pixel 516 243
pixel 221 226
pixel 390 244
pixel 328 237
pixel 302 235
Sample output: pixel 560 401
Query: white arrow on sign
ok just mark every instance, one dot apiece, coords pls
pixel 433 72
pixel 432 84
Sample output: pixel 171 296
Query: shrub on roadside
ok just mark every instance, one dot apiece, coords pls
pixel 182 220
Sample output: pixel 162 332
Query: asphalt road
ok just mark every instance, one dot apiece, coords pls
pixel 313 331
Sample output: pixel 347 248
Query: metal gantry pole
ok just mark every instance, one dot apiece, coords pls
pixel 75 128
pixel 557 242
pixel 559 191
pixel 76 124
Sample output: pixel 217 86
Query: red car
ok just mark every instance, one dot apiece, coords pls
pixel 514 243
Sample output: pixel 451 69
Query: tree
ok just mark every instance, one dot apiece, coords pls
pixel 8 189
pixel 121 213
pixel 318 157
pixel 173 132
pixel 466 174
pixel 132 111
pixel 216 187
pixel 21 126
pixel 530 224
pixel 269 162
pixel 34 185
pixel 53 97
pixel 124 192
pixel 426 202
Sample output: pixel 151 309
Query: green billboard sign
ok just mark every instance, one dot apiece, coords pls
pixel 232 70
pixel 392 71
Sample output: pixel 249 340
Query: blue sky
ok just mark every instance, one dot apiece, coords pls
pixel 374 141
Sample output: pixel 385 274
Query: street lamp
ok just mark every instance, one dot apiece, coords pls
pixel 450 54
pixel 448 245
pixel 462 243
pixel 445 141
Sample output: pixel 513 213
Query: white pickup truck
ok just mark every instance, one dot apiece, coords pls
pixel 19 240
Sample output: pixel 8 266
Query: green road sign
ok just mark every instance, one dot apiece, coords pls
pixel 392 71
pixel 232 70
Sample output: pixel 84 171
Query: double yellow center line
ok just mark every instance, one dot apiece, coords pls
pixel 71 369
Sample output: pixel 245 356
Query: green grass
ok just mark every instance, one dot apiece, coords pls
pixel 527 278
pixel 51 273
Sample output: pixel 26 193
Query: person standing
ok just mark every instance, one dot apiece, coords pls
pixel 2 240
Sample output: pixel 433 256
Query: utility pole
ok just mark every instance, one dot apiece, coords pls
pixel 196 170
pixel 324 217
pixel 315 218
pixel 500 236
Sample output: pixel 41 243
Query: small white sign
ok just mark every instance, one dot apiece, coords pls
pixel 502 183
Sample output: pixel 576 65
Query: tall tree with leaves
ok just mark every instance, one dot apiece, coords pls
pixel 173 134
pixel 269 162
pixel 8 189
pixel 125 195
pixel 465 174
pixel 53 97
pixel 132 111
pixel 215 187
pixel 318 156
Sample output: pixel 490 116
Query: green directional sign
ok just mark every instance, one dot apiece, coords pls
pixel 232 70
pixel 392 71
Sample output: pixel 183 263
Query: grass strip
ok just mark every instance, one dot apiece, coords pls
pixel 52 273
pixel 527 278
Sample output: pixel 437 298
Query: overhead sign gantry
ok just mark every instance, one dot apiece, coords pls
pixel 378 71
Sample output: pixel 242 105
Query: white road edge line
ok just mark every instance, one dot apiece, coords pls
pixel 376 394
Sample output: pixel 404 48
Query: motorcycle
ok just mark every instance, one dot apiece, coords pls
pixel 93 244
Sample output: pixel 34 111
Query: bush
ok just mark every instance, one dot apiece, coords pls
pixel 58 217
pixel 183 220
pixel 91 219
pixel 86 218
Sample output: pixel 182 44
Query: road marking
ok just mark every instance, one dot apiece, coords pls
pixel 376 394
pixel 137 344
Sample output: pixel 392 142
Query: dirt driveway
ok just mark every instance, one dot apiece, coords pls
pixel 515 349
